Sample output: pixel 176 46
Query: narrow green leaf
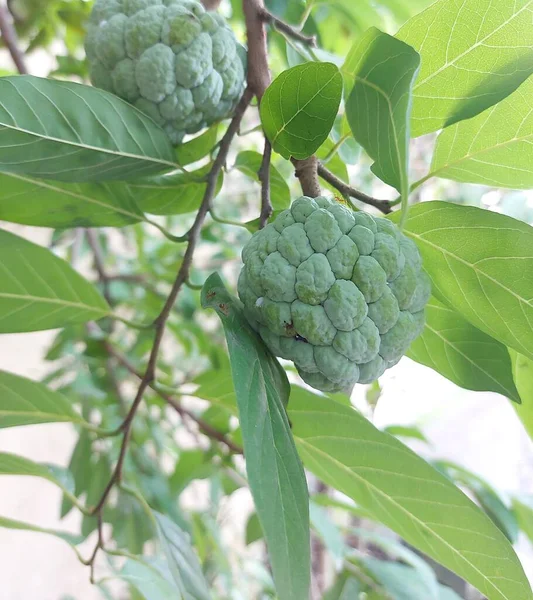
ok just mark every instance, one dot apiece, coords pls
pixel 275 473
pixel 477 260
pixel 31 201
pixel 474 54
pixel 495 148
pixel 70 538
pixel 249 162
pixel 40 291
pixel 197 148
pixel 70 132
pixel 523 377
pixel 174 194
pixel 26 402
pixel 462 353
pixel 12 464
pixel 406 494
pixel 148 580
pixel 379 105
pixel 182 561
pixel 523 508
pixel 299 108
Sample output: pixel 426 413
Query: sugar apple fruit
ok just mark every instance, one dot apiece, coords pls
pixel 174 61
pixel 340 293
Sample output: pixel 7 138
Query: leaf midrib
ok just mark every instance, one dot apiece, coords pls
pixel 46 300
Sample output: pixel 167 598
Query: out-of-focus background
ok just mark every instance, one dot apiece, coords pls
pixel 479 431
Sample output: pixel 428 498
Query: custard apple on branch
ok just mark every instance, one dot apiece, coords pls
pixel 340 293
pixel 177 63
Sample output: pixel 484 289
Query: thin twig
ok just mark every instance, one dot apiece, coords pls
pixel 287 29
pixel 183 273
pixel 264 178
pixel 347 190
pixel 9 35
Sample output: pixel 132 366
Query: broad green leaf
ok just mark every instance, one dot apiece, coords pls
pixel 346 587
pixel 249 163
pixel 174 194
pixel 523 508
pixel 474 53
pixel 494 148
pixel 379 105
pixel 70 538
pixel 148 580
pixel 26 402
pixel 299 108
pixel 275 473
pixel 462 353
pixel 12 464
pixel 32 201
pixel 477 260
pixel 523 377
pixel 406 494
pixel 198 147
pixel 182 561
pixel 39 291
pixel 70 132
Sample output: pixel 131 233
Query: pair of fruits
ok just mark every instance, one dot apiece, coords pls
pixel 340 293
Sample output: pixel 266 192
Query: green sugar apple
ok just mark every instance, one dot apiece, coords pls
pixel 174 61
pixel 340 293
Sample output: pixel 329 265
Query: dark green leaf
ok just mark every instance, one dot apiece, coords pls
pixel 26 402
pixel 31 201
pixel 182 561
pixel 249 162
pixel 379 104
pixel 406 494
pixel 523 377
pixel 70 132
pixel 275 473
pixel 462 353
pixel 254 531
pixel 299 108
pixel 476 260
pixel 100 474
pixel 473 55
pixel 79 466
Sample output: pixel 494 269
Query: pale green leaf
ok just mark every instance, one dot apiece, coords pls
pixel 378 107
pixel 32 201
pixel 477 260
pixel 495 148
pixel 406 494
pixel 346 587
pixel 523 377
pixel 474 53
pixel 70 538
pixel 70 132
pixel 39 291
pixel 462 353
pixel 523 508
pixel 26 402
pixel 148 580
pixel 299 108
pixel 275 473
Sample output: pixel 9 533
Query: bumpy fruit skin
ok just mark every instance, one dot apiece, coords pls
pixel 340 293
pixel 174 61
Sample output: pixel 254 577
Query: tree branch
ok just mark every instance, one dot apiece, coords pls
pixel 287 29
pixel 307 172
pixel 347 190
pixel 148 378
pixel 264 178
pixel 9 35
pixel 99 262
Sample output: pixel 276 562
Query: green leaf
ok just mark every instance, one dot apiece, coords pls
pixel 100 476
pixel 254 531
pixel 79 466
pixel 406 494
pixel 462 353
pixel 275 473
pixel 523 377
pixel 346 587
pixel 299 108
pixel 26 402
pixel 249 162
pixel 379 105
pixel 174 194
pixel 523 508
pixel 31 201
pixel 182 561
pixel 70 538
pixel 406 432
pixel 12 464
pixel 40 291
pixel 494 148
pixel 476 260
pixel 474 54
pixel 195 149
pixel 148 580
pixel 400 582
pixel 76 133
pixel 328 532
